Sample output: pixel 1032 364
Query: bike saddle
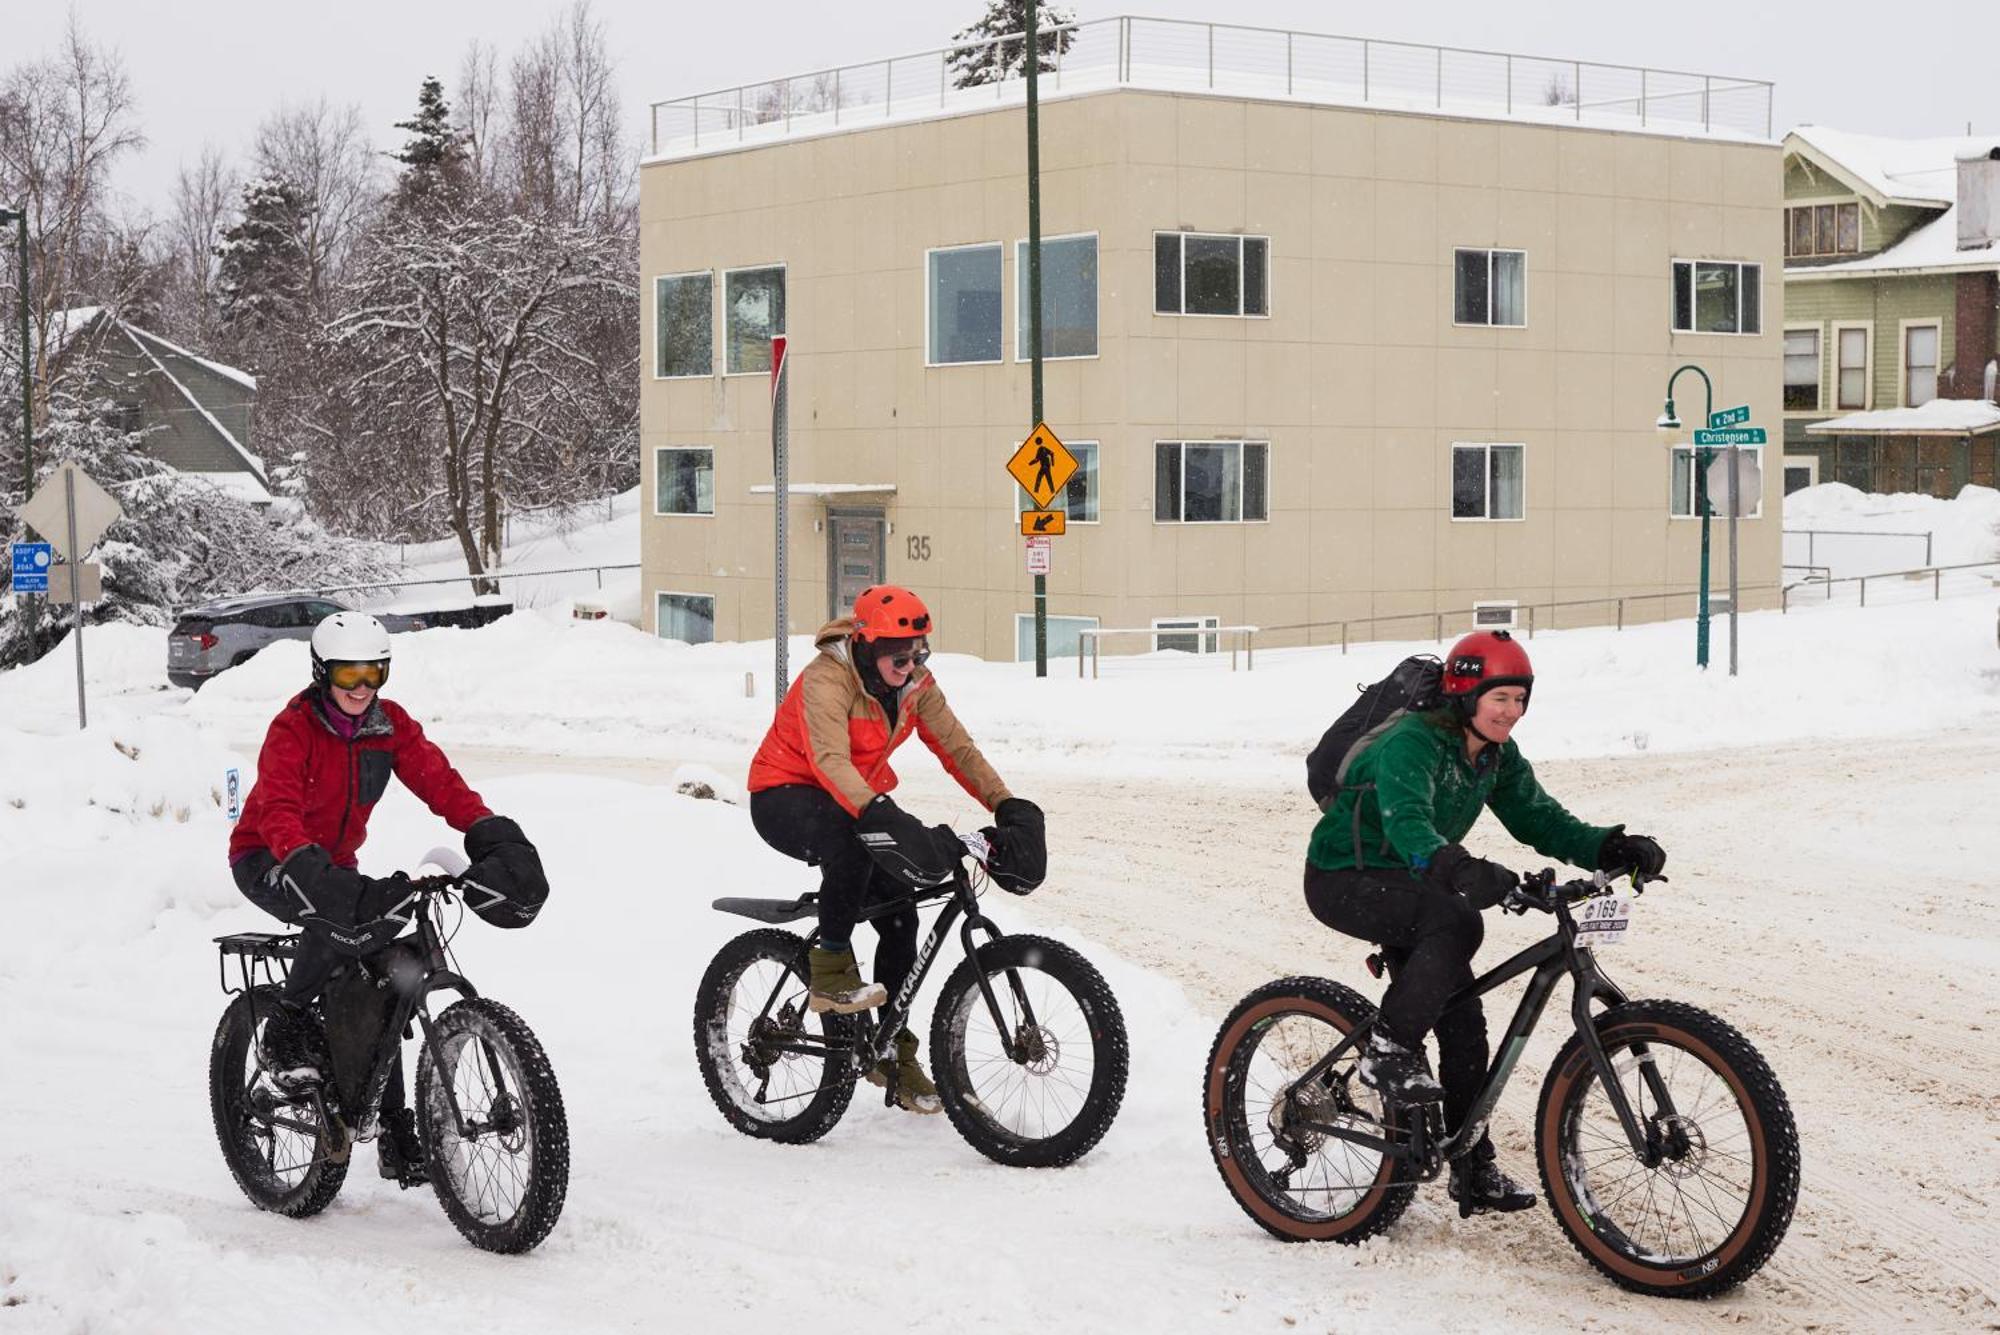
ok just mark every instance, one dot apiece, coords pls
pixel 770 910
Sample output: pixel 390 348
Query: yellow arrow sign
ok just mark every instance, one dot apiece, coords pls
pixel 1043 523
pixel 1042 465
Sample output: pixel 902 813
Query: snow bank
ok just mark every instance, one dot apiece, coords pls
pixel 1964 529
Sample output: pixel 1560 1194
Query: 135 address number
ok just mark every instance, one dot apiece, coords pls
pixel 917 546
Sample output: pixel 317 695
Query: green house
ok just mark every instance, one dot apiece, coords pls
pixel 1892 303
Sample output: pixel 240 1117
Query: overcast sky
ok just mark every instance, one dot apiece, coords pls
pixel 209 70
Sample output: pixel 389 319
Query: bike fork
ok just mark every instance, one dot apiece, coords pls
pixel 1644 1147
pixel 986 994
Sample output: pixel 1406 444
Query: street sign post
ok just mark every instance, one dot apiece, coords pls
pixel 1729 417
pixel 75 511
pixel 1040 554
pixel 31 562
pixel 1044 523
pixel 781 499
pixel 1722 439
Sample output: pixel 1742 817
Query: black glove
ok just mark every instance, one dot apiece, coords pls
pixel 1630 852
pixel 1483 883
pixel 505 884
pixel 919 856
pixel 319 891
pixel 1020 860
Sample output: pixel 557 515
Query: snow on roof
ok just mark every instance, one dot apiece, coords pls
pixel 138 338
pixel 1939 417
pixel 245 487
pixel 1898 171
pixel 66 325
pixel 243 378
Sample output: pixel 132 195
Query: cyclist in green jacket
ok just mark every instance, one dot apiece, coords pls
pixel 1385 864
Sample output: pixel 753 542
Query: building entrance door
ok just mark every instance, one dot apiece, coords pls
pixel 855 552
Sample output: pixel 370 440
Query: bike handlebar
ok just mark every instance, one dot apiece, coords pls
pixel 1540 890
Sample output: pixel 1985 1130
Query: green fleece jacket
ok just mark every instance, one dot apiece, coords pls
pixel 1426 794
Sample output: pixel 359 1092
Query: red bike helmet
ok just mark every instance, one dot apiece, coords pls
pixel 1481 661
pixel 887 612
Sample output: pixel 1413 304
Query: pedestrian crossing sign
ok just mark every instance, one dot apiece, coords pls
pixel 1042 465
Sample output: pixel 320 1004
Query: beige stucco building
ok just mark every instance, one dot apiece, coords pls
pixel 1436 387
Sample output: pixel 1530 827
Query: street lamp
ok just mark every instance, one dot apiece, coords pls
pixel 1669 420
pixel 19 217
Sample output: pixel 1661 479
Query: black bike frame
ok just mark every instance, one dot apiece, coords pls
pixel 1550 958
pixel 960 900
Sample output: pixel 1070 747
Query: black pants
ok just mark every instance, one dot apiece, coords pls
pixel 1429 936
pixel 804 822
pixel 315 959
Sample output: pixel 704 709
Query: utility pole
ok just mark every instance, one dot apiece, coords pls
pixel 19 217
pixel 1034 58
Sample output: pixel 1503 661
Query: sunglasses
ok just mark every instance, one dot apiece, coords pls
pixel 353 676
pixel 907 659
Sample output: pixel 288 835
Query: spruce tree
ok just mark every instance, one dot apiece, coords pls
pixel 989 62
pixel 433 157
pixel 261 280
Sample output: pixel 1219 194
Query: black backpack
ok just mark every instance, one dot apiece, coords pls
pixel 1415 685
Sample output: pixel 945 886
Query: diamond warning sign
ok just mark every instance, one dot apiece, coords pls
pixel 1042 466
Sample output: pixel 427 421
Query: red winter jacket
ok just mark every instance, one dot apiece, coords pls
pixel 315 786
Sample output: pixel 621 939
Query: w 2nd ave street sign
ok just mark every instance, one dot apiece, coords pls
pixel 1746 435
pixel 1729 417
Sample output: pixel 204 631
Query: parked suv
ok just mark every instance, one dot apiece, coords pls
pixel 222 634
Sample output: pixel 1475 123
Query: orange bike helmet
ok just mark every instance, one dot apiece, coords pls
pixel 1481 661
pixel 887 612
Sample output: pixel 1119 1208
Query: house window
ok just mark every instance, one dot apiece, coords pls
pixel 1801 370
pixel 1920 364
pixel 1069 298
pixel 1195 273
pixel 1823 229
pixel 753 306
pixel 684 336
pixel 1496 615
pixel 964 300
pixel 683 480
pixel 1079 495
pixel 1064 635
pixel 1852 389
pixel 1490 287
pixel 686 616
pixel 1717 297
pixel 1487 481
pixel 1681 505
pixel 1185 634
pixel 1210 481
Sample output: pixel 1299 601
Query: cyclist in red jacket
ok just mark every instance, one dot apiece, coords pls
pixel 325 763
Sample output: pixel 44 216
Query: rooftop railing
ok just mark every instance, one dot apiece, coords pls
pixel 1180 55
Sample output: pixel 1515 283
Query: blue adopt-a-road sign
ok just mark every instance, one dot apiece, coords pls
pixel 31 566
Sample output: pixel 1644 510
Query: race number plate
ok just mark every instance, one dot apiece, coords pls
pixel 1603 921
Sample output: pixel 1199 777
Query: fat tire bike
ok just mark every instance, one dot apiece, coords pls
pixel 488 1108
pixel 1666 1146
pixel 1027 1042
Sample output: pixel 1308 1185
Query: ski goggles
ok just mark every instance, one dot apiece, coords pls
pixel 353 676
pixel 909 658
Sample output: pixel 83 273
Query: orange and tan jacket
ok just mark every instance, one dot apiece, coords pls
pixel 829 731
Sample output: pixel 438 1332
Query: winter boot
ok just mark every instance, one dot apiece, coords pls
pixel 914 1090
pixel 399 1150
pixel 291 1056
pixel 837 985
pixel 1397 1073
pixel 1480 1186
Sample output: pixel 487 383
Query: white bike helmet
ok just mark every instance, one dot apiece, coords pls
pixel 348 637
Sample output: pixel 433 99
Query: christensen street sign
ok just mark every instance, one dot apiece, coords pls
pixel 1746 435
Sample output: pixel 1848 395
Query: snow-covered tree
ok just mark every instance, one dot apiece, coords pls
pixel 262 277
pixel 433 157
pixel 980 59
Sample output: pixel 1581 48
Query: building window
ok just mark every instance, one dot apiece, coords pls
pixel 683 480
pixel 1199 274
pixel 1488 481
pixel 1210 481
pixel 1852 389
pixel 686 616
pixel 1185 634
pixel 964 299
pixel 1920 364
pixel 1496 615
pixel 684 335
pixel 1490 287
pixel 1069 298
pixel 1065 635
pixel 1717 297
pixel 1681 505
pixel 753 307
pixel 1078 498
pixel 1802 370
pixel 1823 229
